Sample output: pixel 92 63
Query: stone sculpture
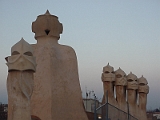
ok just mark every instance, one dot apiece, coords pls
pixel 143 90
pixel 121 83
pixel 57 93
pixel 21 66
pixel 55 85
pixel 132 87
pixel 131 95
pixel 108 79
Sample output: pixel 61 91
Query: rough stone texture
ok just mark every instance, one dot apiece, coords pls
pixel 19 87
pixel 143 90
pixel 47 25
pixel 21 57
pixel 132 86
pixel 116 83
pixel 132 101
pixel 108 78
pixel 57 93
pixel 21 66
pixel 120 84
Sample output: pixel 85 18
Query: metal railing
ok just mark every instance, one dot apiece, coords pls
pixel 110 112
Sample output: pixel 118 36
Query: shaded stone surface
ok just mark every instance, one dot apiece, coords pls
pixel 127 95
pixel 57 93
pixel 21 66
pixel 143 90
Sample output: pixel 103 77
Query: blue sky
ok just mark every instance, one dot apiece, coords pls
pixel 124 33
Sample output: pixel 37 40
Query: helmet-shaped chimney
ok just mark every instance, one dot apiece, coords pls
pixel 47 25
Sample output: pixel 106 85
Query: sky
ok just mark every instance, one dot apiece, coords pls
pixel 123 33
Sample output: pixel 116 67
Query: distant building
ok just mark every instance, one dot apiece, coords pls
pixel 3 111
pixel 157 115
pixel 153 115
pixel 89 105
